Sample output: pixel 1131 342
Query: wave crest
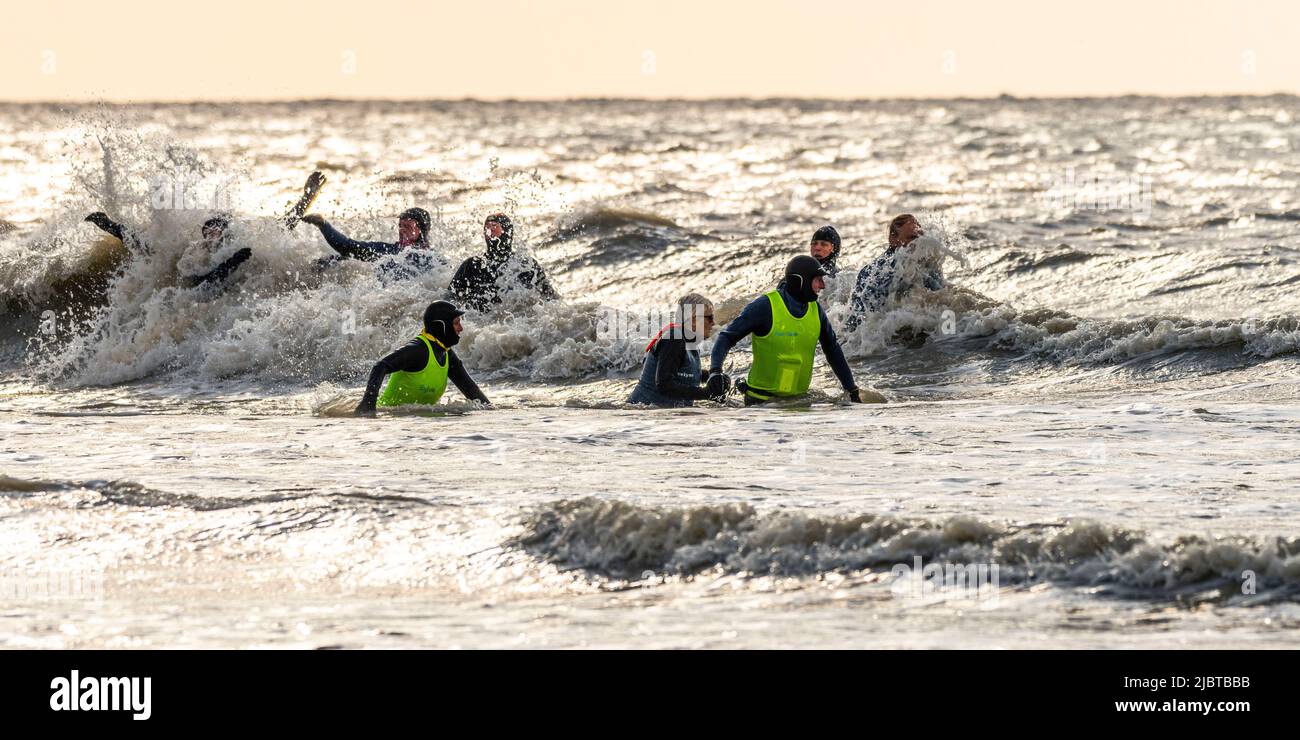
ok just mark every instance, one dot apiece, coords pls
pixel 619 540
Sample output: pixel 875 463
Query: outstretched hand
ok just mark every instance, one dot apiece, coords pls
pixel 100 219
pixel 315 219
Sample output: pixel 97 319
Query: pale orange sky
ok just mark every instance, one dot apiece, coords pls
pixel 287 49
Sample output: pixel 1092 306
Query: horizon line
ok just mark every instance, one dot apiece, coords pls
pixel 644 99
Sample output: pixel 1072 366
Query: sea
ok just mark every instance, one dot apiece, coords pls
pixel 1086 438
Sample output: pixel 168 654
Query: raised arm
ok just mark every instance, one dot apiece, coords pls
pixel 347 247
pixel 113 228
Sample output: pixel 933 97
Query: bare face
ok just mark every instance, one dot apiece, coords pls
pixel 702 321
pixel 408 231
pixel 821 249
pixel 909 231
pixel 457 326
pixel 493 230
pixel 818 285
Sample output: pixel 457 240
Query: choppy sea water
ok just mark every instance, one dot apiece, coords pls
pixel 1104 412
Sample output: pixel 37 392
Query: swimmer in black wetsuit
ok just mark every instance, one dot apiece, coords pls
pixel 787 324
pixel 214 232
pixel 412 232
pixel 478 280
pixel 412 245
pixel 214 235
pixel 420 369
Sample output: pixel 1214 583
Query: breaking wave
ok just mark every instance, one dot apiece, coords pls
pixel 614 539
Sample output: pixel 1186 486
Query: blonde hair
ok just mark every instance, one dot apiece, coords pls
pixel 686 311
pixel 694 299
pixel 685 303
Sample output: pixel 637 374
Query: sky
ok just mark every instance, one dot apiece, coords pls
pixel 151 50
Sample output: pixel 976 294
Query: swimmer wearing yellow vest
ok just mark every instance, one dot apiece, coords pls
pixel 787 325
pixel 420 370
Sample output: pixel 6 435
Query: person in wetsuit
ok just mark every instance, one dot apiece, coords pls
pixel 876 280
pixel 787 325
pixel 421 368
pixel 412 245
pixel 671 374
pixel 214 236
pixel 478 280
pixel 825 247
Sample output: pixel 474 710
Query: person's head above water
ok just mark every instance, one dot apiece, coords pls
pixel 413 227
pixel 695 314
pixel 903 230
pixel 214 229
pixel 825 244
pixel 499 234
pixel 804 278
pixel 442 322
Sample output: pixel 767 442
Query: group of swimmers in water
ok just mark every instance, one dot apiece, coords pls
pixel 787 324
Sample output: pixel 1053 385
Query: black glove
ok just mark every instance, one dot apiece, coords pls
pixel 718 385
pixel 855 395
pixel 365 408
pixel 101 219
pixel 314 181
pixel 315 219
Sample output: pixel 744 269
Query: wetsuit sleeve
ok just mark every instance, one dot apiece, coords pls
pixel 353 249
pixel 834 353
pixel 466 284
pixel 123 234
pixel 755 319
pixel 671 353
pixel 110 226
pixel 223 270
pixel 410 358
pixel 543 283
pixel 457 374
